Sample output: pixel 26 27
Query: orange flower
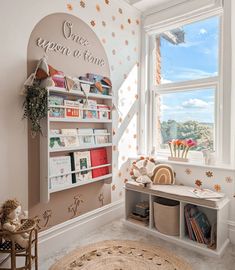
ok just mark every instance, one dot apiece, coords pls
pixel 198 183
pixel 217 188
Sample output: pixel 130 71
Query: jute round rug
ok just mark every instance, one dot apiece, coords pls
pixel 121 255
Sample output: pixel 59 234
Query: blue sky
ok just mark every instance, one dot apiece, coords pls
pixel 195 59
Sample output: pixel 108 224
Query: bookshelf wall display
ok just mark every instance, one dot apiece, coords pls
pixel 216 214
pixel 76 146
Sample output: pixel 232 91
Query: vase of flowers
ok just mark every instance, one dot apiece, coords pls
pixel 179 149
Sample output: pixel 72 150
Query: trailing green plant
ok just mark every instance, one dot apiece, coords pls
pixel 35 107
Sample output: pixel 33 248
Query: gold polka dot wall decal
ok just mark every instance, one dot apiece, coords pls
pixel 119 174
pixel 104 40
pixel 137 21
pixel 92 23
pixel 137 148
pixel 134 136
pixel 122 26
pixel 104 23
pixel 113 51
pixel 114 132
pixel 138 64
pixel 97 8
pixel 129 88
pixel 128 58
pixel 136 96
pixel 126 42
pixel 209 174
pixel 188 171
pixel 113 34
pixel 114 148
pixel 69 7
pixel 120 10
pixel 129 146
pixel 228 179
pixel 113 187
pixel 120 120
pixel 125 76
pixel 82 4
pixel 135 49
pixel 129 21
pixel 106 2
pixel 217 188
pixel 133 32
pixel 113 18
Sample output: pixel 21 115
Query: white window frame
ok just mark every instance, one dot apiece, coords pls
pixel 220 82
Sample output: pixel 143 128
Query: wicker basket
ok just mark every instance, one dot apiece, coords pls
pixel 166 216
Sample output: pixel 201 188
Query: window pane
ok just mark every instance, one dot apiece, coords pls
pixel 187 115
pixel 189 52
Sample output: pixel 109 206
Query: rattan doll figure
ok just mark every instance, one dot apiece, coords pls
pixel 11 214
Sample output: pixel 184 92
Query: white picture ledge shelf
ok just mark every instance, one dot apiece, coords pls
pixel 219 213
pixel 83 182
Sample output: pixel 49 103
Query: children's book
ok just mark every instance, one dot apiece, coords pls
pixel 73 110
pixel 86 136
pixel 90 110
pixel 69 137
pixel 81 161
pixel 58 167
pixel 100 136
pixel 103 111
pixel 99 157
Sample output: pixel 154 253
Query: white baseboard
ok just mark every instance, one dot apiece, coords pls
pixel 62 235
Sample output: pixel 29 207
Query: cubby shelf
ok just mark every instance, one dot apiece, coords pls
pixel 135 194
pixel 81 147
pixel 79 93
pixel 84 182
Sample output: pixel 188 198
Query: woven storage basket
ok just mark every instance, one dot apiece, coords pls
pixel 166 216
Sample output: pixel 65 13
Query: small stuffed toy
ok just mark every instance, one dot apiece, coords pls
pixel 142 171
pixel 10 218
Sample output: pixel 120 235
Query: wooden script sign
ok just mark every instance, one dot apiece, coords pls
pixel 70 44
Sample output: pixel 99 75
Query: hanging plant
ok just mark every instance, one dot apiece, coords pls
pixel 35 107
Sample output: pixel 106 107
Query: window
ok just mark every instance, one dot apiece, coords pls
pixel 186 82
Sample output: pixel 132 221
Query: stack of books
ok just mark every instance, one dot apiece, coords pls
pixel 197 224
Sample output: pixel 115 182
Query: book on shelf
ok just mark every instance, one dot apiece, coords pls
pixel 56 113
pixel 86 136
pixel 81 161
pixel 197 224
pixel 60 165
pixel 103 111
pixel 55 140
pixel 70 137
pixel 99 157
pixel 90 110
pixel 100 136
pixel 73 111
pixel 55 100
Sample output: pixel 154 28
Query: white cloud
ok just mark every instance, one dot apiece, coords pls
pixel 195 103
pixel 203 31
pixel 165 81
pixel 164 107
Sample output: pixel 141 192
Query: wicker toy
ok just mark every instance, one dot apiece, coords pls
pixel 10 218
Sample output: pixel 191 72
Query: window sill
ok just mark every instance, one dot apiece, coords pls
pixel 163 159
pixel 197 164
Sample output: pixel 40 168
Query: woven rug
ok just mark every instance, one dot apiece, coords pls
pixel 121 255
